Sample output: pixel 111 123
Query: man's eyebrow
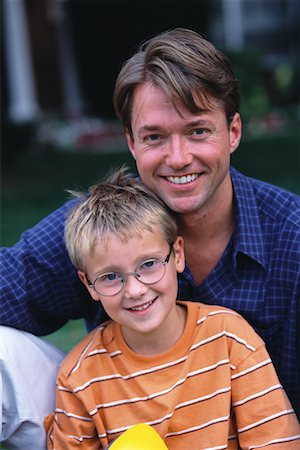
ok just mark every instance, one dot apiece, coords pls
pixel 199 123
pixel 147 129
pixel 192 124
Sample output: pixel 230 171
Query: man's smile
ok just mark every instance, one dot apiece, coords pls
pixel 183 179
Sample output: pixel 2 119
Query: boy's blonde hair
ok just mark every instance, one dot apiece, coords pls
pixel 119 204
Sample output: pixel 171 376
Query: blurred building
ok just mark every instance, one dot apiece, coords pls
pixel 273 26
pixel 40 72
pixel 62 56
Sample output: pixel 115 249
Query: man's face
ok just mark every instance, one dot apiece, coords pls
pixel 182 157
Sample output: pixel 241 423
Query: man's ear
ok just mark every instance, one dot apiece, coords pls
pixel 130 142
pixel 92 291
pixel 235 132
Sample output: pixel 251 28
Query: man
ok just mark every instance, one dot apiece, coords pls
pixel 179 102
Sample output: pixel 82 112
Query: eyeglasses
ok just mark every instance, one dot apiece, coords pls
pixel 150 271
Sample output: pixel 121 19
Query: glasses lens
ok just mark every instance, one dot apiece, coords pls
pixel 151 271
pixel 109 283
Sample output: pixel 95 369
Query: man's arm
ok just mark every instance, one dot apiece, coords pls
pixel 39 287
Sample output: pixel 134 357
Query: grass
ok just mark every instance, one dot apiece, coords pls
pixel 35 184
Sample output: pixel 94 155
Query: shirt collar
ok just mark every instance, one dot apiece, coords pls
pixel 248 235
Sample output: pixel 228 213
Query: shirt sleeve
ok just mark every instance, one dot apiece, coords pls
pixel 39 287
pixel 263 414
pixel 71 425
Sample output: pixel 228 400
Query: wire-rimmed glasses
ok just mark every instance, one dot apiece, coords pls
pixel 150 271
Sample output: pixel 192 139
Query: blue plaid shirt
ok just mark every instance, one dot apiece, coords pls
pixel 258 276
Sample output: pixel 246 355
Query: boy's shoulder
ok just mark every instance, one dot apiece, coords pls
pixel 85 347
pixel 205 310
pixel 220 315
pixel 213 320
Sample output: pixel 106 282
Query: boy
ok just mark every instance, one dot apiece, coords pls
pixel 198 374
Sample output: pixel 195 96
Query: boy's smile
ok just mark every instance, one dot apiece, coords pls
pixel 144 311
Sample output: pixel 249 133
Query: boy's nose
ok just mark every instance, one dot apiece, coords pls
pixel 133 287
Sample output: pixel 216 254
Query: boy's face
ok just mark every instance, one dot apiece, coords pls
pixel 138 308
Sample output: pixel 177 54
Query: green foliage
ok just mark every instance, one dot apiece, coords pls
pixel 265 88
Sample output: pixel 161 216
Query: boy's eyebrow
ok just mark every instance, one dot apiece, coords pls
pixel 139 260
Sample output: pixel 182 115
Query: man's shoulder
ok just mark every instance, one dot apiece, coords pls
pixel 60 213
pixel 272 202
pixel 51 225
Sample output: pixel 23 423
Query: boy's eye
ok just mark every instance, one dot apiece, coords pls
pixel 149 265
pixel 108 277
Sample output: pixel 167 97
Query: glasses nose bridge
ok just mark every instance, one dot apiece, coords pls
pixel 132 289
pixel 134 273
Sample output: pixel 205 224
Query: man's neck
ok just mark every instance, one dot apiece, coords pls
pixel 206 234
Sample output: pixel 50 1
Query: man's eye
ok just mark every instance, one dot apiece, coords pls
pixel 152 138
pixel 200 131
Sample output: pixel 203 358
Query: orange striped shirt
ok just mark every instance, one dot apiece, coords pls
pixel 215 389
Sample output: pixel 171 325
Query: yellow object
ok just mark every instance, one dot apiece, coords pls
pixel 139 437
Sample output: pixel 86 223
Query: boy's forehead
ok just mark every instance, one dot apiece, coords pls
pixel 140 233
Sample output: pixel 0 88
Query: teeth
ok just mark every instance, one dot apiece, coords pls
pixel 140 308
pixel 183 180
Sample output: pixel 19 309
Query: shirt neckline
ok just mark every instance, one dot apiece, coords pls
pixel 179 350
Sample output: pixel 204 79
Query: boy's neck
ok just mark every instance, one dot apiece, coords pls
pixel 160 340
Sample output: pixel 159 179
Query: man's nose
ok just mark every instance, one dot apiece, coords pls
pixel 178 153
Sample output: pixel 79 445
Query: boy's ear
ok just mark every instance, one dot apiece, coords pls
pixel 82 278
pixel 178 247
pixel 92 291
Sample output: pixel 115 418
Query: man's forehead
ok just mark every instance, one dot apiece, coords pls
pixel 153 99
